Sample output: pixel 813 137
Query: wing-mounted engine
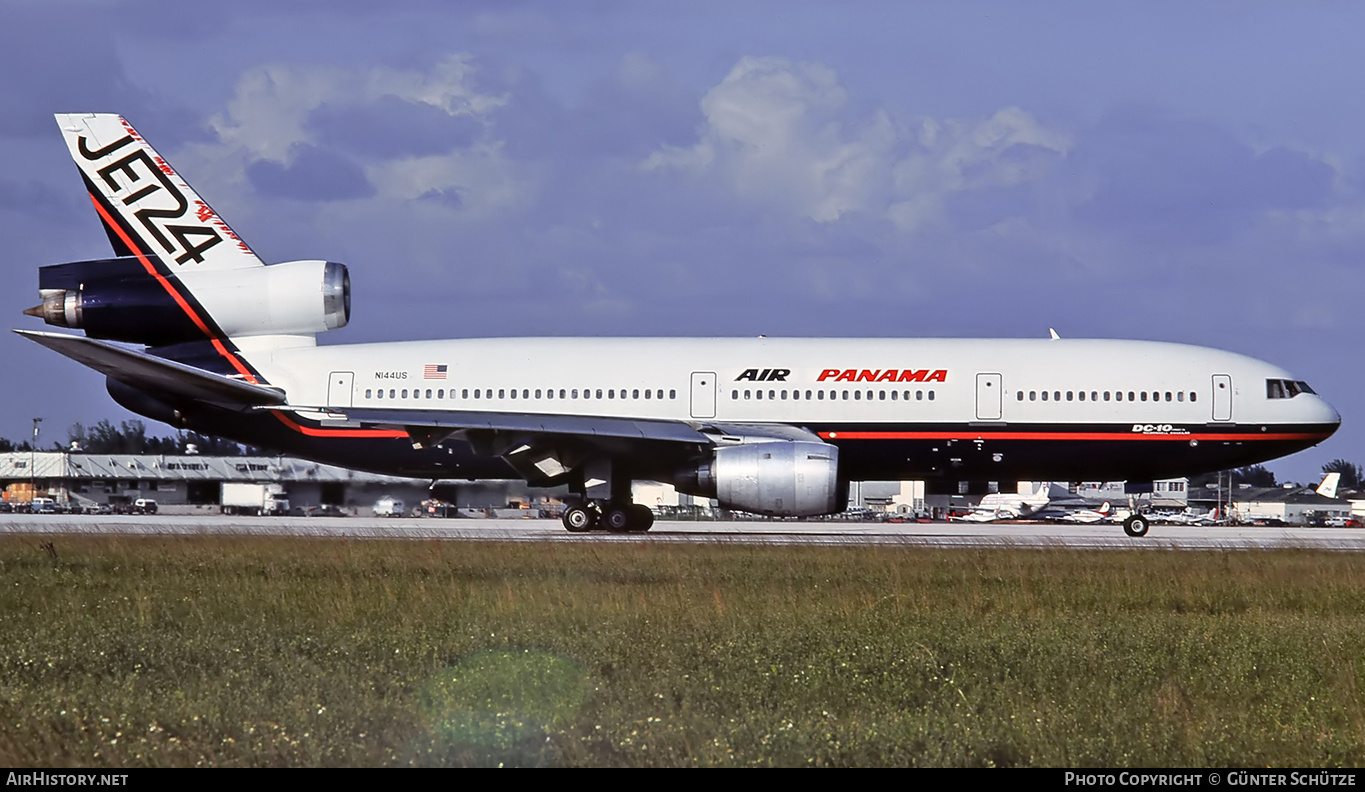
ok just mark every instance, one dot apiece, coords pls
pixel 780 478
pixel 119 300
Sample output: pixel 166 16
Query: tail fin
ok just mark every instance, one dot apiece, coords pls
pixel 1104 509
pixel 1328 487
pixel 146 208
pixel 182 275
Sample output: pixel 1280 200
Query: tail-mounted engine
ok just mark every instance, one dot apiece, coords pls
pixel 117 299
pixel 783 479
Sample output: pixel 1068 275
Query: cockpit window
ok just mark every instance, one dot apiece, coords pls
pixel 1286 389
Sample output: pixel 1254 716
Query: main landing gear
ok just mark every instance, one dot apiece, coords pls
pixel 611 517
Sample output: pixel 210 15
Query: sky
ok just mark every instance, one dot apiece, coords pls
pixel 1174 171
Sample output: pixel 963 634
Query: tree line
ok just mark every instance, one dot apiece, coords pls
pixel 130 437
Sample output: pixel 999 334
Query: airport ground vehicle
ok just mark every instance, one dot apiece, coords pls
pixel 768 426
pixel 387 507
pixel 144 506
pixel 253 498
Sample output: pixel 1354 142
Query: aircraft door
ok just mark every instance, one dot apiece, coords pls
pixel 988 398
pixel 703 394
pixel 1222 397
pixel 339 388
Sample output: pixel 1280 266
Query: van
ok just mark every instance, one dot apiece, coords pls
pixel 43 506
pixel 387 507
pixel 144 506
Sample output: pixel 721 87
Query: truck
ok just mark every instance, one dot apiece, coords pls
pixel 387 506
pixel 257 499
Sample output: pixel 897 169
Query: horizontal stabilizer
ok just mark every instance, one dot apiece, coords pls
pixel 147 372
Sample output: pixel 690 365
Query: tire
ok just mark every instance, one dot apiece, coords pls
pixel 641 518
pixel 578 519
pixel 1136 525
pixel 617 519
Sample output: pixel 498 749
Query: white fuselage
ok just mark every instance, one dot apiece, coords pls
pixel 817 381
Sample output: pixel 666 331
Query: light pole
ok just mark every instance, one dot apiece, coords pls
pixel 32 464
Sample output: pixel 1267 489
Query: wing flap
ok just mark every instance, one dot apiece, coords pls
pixel 144 371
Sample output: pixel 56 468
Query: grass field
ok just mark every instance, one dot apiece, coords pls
pixel 250 651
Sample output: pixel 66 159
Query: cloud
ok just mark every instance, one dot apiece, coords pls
pixel 390 127
pixel 781 134
pixel 312 174
pixel 1160 180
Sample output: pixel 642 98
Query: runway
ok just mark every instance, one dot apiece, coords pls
pixel 937 535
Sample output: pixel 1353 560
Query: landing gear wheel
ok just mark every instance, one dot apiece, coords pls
pixel 617 519
pixel 641 518
pixel 1136 525
pixel 578 519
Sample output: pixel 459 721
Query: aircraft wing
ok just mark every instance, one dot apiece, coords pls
pixel 141 370
pixel 545 447
pixel 430 426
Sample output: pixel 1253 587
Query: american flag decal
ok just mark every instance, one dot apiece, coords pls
pixel 433 372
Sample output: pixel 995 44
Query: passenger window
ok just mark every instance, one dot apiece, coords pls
pixel 635 394
pixel 1069 395
pixel 514 393
pixel 672 394
pixel 367 393
pixel 931 395
pixel 1044 395
pixel 919 395
pixel 1193 396
pixel 1144 395
pixel 1033 395
pixel 441 394
pixel 502 393
pixel 405 393
pixel 428 393
pixel 599 393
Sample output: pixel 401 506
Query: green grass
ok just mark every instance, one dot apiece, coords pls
pixel 251 651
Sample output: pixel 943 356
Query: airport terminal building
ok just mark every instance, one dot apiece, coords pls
pixel 191 483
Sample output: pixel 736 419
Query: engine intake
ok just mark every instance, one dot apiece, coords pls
pixel 782 479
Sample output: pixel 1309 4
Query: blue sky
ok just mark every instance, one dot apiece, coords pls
pixel 1172 171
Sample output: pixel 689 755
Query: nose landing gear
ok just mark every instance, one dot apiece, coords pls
pixel 1136 525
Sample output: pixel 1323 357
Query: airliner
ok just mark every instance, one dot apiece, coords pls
pixel 193 329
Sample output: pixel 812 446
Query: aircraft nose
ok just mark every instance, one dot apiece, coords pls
pixel 1324 413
